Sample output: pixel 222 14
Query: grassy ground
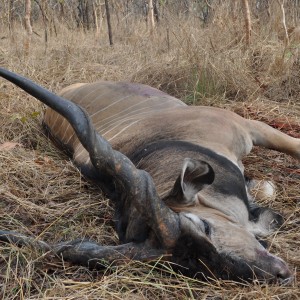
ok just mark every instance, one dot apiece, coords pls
pixel 43 194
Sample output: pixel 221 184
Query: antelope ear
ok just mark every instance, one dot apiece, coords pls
pixel 195 175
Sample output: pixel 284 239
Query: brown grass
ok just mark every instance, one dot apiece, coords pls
pixel 43 194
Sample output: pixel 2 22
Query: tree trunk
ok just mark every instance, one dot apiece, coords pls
pixel 108 23
pixel 97 18
pixel 286 35
pixel 247 21
pixel 27 26
pixel 155 10
pixel 62 11
pixel 87 15
pixel 10 18
pixel 43 8
pixel 151 16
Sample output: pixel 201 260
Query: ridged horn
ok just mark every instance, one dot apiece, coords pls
pixel 135 185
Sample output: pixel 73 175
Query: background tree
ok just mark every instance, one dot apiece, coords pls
pixel 150 16
pixel 28 26
pixel 108 22
pixel 247 21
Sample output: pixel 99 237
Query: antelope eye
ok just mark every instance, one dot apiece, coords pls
pixel 206 227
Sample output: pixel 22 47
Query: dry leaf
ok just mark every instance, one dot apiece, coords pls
pixel 7 146
pixel 43 160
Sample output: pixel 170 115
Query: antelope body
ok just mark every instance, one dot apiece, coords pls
pixel 175 174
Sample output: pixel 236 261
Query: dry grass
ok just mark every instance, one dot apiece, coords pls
pixel 43 194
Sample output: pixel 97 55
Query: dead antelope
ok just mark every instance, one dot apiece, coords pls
pixel 174 173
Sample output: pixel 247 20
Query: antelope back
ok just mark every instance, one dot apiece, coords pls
pixel 113 107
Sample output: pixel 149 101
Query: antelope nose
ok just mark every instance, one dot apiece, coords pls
pixel 283 273
pixel 274 268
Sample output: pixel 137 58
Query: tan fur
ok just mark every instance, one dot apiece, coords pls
pixel 124 113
